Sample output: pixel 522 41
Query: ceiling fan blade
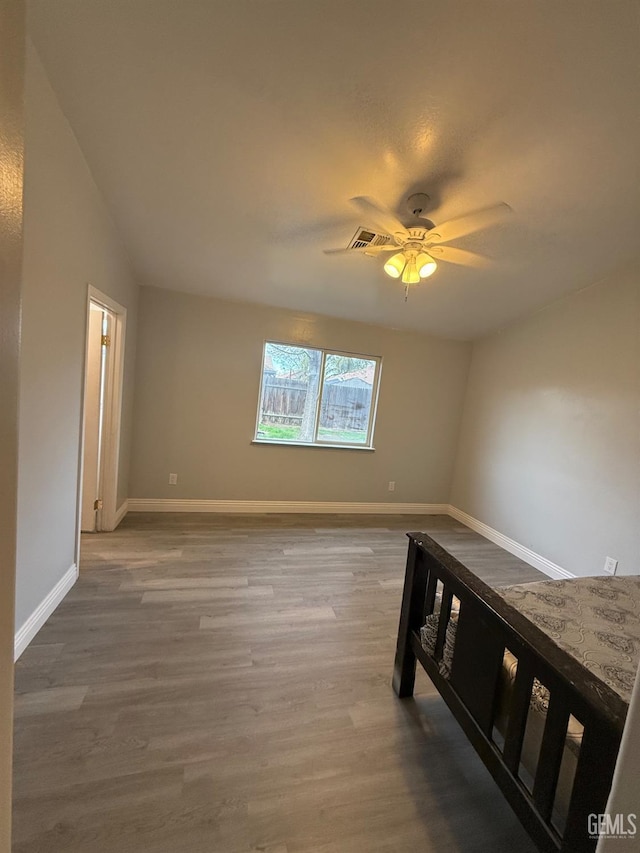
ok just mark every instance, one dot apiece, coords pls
pixel 380 215
pixel 364 250
pixel 452 229
pixel 451 255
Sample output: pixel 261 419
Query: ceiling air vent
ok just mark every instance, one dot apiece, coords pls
pixel 363 238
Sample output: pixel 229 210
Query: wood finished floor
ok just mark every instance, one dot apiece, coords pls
pixel 221 684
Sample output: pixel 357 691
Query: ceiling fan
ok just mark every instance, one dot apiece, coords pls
pixel 418 247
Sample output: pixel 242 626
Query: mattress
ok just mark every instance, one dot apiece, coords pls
pixel 596 620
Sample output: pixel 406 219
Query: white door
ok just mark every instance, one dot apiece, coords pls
pixel 100 322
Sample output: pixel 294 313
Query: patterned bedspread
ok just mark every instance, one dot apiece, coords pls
pixel 596 619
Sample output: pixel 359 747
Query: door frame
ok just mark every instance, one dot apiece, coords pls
pixel 106 518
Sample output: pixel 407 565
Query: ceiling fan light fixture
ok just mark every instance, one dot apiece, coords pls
pixel 410 273
pixel 395 265
pixel 426 265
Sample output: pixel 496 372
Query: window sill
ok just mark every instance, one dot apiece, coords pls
pixel 321 445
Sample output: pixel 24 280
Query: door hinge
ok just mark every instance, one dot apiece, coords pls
pixel 97 504
pixel 105 340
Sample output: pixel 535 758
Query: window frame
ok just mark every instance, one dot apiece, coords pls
pixel 318 441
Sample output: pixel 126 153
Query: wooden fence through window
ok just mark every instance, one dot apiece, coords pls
pixel 343 406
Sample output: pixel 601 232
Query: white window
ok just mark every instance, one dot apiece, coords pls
pixel 315 396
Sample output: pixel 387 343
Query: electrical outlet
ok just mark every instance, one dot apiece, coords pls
pixel 173 479
pixel 392 485
pixel 610 566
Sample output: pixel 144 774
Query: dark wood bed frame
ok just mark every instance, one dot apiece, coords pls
pixel 486 626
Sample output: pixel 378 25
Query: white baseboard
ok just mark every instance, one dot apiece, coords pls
pixel 30 628
pixel 510 545
pixel 121 512
pixel 346 507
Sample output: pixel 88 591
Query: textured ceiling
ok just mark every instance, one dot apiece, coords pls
pixel 227 137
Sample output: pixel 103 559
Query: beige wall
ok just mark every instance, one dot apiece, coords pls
pixel 11 152
pixel 198 376
pixel 69 241
pixel 549 452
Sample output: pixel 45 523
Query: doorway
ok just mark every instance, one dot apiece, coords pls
pixel 102 407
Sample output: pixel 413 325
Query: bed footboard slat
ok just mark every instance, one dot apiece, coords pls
pixel 551 752
pixel 519 711
pixel 432 584
pixel 592 783
pixel 477 663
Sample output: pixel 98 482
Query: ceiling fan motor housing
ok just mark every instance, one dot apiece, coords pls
pixel 418 236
